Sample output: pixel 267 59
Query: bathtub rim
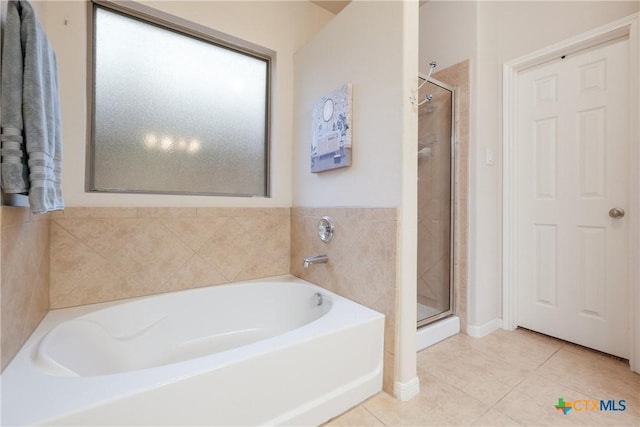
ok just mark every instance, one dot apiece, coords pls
pixel 22 366
pixel 161 308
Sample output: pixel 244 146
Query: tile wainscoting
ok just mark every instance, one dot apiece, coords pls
pixel 102 254
pixel 24 266
pixel 87 255
pixel 362 261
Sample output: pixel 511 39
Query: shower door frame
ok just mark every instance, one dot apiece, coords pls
pixel 452 202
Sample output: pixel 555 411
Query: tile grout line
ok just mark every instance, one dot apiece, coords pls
pixel 559 381
pixel 90 249
pixel 473 397
pixel 548 358
pixel 374 415
pixel 568 386
pixel 532 372
pixel 189 258
pixel 507 394
pixel 481 415
pixel 529 374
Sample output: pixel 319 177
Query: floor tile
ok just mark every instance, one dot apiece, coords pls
pixel 482 376
pixel 534 402
pixel 507 378
pixel 544 390
pixel 358 416
pixel 494 418
pixel 527 411
pixel 522 348
pixel 437 404
pixel 579 349
pixel 596 375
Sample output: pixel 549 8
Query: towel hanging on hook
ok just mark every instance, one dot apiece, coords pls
pixel 31 133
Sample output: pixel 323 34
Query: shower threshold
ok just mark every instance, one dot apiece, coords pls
pixel 435 332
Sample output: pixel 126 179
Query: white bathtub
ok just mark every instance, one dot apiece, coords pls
pixel 253 353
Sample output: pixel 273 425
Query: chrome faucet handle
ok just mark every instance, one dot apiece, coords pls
pixel 325 229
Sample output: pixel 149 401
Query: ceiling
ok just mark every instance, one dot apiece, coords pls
pixel 335 7
pixel 331 5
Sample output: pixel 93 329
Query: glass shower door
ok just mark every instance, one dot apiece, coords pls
pixel 435 201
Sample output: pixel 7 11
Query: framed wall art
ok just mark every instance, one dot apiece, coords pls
pixel 332 123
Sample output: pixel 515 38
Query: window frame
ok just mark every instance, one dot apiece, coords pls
pixel 185 28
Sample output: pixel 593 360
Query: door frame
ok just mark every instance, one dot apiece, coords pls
pixel 628 26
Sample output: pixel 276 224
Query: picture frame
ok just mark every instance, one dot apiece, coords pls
pixel 331 143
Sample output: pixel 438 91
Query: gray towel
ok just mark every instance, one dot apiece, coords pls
pixel 31 129
pixel 15 174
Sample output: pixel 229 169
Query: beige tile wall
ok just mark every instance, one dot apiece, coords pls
pixel 458 77
pixel 101 254
pixel 24 271
pixel 362 261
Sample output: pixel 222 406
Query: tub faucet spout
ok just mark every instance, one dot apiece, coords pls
pixel 315 259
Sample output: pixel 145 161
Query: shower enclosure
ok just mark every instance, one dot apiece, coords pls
pixel 436 145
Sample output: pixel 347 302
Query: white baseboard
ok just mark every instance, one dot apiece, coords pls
pixel 435 332
pixel 485 329
pixel 405 391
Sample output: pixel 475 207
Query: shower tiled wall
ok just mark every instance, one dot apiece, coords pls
pixel 362 261
pixel 102 254
pixel 458 76
pixel 24 287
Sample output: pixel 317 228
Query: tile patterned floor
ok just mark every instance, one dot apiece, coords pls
pixel 506 379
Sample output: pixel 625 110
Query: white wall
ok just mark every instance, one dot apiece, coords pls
pixel 280 26
pixel 504 31
pixel 447 33
pixel 362 46
pixel 374 46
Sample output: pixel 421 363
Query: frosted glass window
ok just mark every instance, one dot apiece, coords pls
pixel 173 113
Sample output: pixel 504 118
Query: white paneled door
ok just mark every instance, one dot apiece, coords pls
pixel 573 191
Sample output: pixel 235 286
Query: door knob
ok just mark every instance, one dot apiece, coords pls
pixel 616 213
